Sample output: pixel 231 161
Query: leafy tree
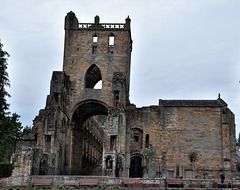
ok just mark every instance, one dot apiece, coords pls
pixel 238 140
pixel 101 119
pixel 10 127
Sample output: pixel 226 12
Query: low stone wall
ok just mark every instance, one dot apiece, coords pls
pixel 108 181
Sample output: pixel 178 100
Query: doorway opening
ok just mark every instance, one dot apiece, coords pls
pixel 136 167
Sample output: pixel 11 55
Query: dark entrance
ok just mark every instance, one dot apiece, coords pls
pixel 136 167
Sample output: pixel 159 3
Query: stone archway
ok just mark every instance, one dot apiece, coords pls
pixel 87 138
pixel 136 167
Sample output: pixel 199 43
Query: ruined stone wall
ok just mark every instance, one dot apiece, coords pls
pixel 22 163
pixel 184 141
pixel 192 139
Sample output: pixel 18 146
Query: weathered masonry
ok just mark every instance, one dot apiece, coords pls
pixel 176 138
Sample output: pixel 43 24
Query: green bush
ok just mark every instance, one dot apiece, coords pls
pixel 5 169
pixel 60 187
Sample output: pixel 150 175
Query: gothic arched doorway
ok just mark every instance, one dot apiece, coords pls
pixel 136 167
pixel 87 138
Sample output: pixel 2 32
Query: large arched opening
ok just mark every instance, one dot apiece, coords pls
pixel 87 137
pixel 93 77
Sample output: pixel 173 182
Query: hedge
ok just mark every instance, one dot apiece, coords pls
pixel 5 169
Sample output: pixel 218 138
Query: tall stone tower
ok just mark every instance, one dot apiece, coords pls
pixel 95 81
pixel 98 53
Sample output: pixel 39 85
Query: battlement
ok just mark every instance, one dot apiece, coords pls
pixel 105 26
pixel 71 22
pixel 93 26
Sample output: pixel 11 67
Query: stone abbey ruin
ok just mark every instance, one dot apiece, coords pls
pixel 176 138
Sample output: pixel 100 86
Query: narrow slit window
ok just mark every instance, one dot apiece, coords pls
pixel 48 142
pixel 94 49
pixel 56 97
pixel 116 97
pixel 147 140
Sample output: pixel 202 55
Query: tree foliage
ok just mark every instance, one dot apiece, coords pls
pixel 10 127
pixel 5 169
pixel 101 119
pixel 4 82
pixel 238 140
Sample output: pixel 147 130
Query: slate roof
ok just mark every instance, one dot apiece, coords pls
pixel 193 103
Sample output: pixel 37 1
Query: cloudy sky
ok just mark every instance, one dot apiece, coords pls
pixel 182 49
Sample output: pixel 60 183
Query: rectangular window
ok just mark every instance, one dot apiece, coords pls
pixel 56 97
pixel 116 97
pixel 94 39
pixel 48 143
pixel 111 40
pixel 113 139
pixel 136 138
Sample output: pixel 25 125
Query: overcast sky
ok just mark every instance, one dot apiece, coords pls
pixel 182 49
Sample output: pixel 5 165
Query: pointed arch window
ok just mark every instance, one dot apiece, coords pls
pixel 93 77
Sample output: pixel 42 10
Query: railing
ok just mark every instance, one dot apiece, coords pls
pixel 102 25
pixel 82 171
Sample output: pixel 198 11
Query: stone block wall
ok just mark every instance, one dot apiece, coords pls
pixel 184 141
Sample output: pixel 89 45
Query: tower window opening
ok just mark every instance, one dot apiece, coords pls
pixel 111 43
pixel 95 38
pixel 94 46
pixel 111 40
pixel 93 76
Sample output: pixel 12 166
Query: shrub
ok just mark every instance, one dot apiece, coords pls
pixel 5 169
pixel 60 187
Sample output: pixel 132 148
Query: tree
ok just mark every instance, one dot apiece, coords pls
pixel 4 82
pixel 101 119
pixel 10 127
pixel 238 140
